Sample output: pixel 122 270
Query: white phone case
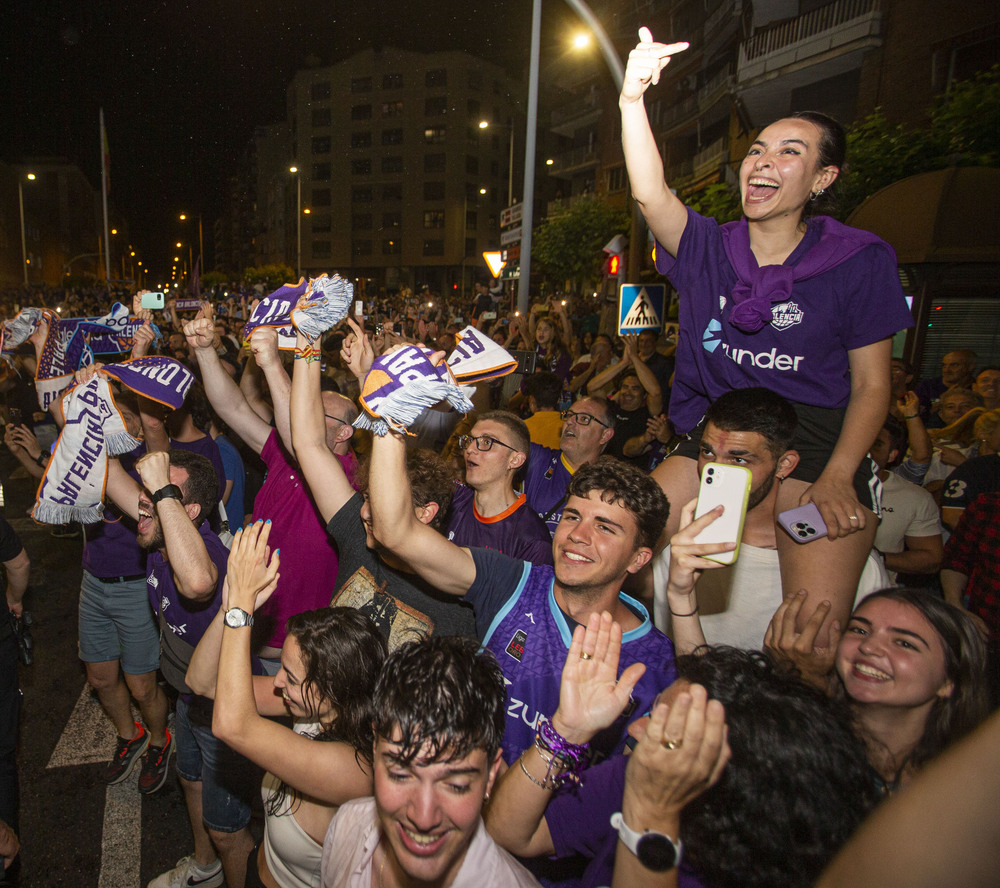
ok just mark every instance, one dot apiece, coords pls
pixel 727 486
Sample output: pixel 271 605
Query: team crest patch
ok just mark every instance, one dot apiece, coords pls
pixel 786 314
pixel 515 646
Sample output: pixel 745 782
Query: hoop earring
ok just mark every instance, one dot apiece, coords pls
pixel 815 194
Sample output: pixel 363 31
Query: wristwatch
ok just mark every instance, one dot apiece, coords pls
pixel 168 491
pixel 656 851
pixel 237 617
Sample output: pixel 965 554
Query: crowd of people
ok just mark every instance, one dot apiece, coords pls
pixel 493 647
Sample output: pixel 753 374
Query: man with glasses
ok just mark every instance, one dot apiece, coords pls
pixel 486 511
pixel 309 570
pixel 588 426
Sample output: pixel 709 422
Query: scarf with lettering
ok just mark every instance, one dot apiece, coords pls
pixel 477 358
pixel 275 310
pixel 401 385
pixel 72 487
pixel 760 288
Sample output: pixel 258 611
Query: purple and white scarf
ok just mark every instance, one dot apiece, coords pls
pixel 73 485
pixel 401 385
pixel 275 310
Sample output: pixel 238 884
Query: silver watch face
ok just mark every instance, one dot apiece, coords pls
pixel 237 617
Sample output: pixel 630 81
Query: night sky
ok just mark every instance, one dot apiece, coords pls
pixel 183 84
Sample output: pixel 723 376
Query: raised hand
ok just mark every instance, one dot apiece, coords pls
pixel 681 754
pixel 591 695
pixel 264 346
pixel 645 63
pixel 200 333
pixel 798 650
pixel 252 570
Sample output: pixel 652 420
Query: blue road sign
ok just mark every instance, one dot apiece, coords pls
pixel 641 307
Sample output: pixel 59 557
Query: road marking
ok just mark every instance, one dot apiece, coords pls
pixel 89 737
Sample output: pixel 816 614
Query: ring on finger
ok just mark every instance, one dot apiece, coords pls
pixel 585 656
pixel 672 744
pixel 852 517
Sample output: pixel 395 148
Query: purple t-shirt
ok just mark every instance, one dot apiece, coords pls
pixel 110 548
pixel 207 448
pixel 182 621
pixel 517 531
pixel 579 821
pixel 308 554
pixel 545 484
pixel 802 353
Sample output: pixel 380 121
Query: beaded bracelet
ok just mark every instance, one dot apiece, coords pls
pixel 572 757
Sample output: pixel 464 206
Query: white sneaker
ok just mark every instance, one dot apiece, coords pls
pixel 190 874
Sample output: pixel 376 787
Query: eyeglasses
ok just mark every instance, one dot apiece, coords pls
pixel 584 419
pixel 483 442
pixel 337 418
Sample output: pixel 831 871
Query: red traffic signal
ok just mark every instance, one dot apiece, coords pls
pixel 614 265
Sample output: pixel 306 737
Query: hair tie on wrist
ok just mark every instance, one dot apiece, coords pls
pixel 674 613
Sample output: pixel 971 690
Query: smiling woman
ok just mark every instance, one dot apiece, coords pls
pixel 800 305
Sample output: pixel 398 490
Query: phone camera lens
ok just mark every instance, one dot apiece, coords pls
pixel 708 480
pixel 803 533
pixel 711 471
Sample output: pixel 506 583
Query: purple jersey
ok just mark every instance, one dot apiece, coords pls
pixel 802 352
pixel 182 621
pixel 530 637
pixel 545 484
pixel 517 531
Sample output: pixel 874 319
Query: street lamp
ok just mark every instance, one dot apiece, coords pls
pixel 201 244
pixel 298 218
pixel 617 70
pixel 483 124
pixel 24 245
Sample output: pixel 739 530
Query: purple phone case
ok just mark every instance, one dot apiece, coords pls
pixel 803 524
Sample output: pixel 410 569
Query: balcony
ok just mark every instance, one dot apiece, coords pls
pixel 829 42
pixel 571 163
pixel 711 158
pixel 699 104
pixel 835 27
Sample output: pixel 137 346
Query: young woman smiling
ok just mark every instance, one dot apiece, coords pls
pixel 803 306
pixel 329 665
pixel 911 666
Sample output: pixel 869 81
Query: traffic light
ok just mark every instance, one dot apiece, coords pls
pixel 614 264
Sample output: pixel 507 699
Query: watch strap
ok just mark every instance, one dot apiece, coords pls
pixel 236 618
pixel 631 840
pixel 168 491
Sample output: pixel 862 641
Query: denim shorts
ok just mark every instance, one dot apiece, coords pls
pixel 116 623
pixel 228 780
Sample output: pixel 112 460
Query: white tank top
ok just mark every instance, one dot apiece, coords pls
pixel 292 855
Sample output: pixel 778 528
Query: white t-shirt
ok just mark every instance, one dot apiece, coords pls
pixel 907 510
pixel 736 603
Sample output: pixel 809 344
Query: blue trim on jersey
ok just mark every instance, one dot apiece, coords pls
pixel 509 606
pixel 640 608
pixel 632 635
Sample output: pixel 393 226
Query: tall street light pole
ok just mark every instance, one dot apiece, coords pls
pixel 298 219
pixel 617 72
pixel 24 244
pixel 201 245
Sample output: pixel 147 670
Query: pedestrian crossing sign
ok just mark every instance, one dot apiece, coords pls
pixel 641 307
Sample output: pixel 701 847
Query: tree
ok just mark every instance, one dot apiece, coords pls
pixel 718 200
pixel 271 276
pixel 963 128
pixel 567 247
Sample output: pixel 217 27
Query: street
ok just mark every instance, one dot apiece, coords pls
pixel 75 830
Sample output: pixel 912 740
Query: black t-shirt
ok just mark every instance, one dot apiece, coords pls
pixel 402 606
pixel 628 424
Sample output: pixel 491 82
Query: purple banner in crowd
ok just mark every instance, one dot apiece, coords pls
pixel 155 377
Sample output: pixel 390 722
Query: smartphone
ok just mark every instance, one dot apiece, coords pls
pixel 803 524
pixel 728 486
pixel 153 300
pixel 488 316
pixel 14 416
pixel 359 308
